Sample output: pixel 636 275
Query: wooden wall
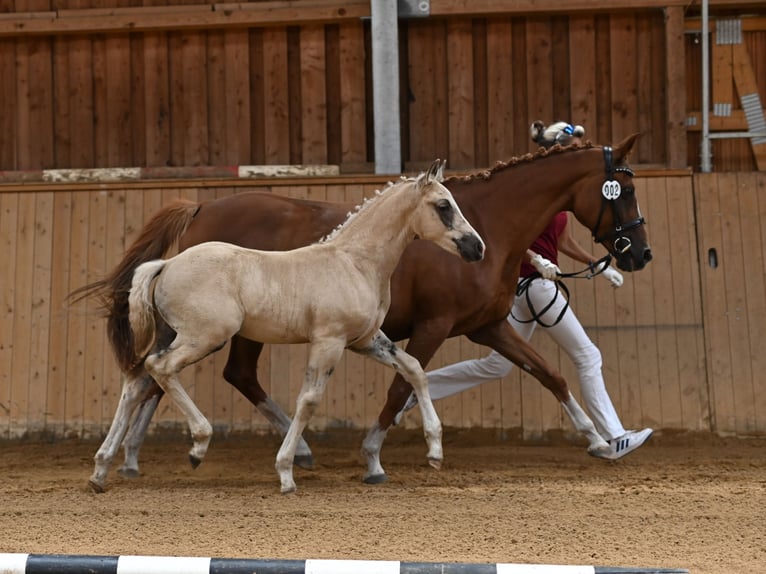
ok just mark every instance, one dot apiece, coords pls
pixel 680 340
pixel 471 85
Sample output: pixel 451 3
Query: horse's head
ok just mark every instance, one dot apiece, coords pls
pixel 613 216
pixel 440 220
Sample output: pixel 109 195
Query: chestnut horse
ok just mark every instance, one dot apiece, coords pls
pixel 433 296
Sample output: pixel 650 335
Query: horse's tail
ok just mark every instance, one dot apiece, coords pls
pixel 155 240
pixel 143 326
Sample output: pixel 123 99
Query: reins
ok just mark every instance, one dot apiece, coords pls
pixel 561 288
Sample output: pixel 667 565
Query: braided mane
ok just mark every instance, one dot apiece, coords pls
pixel 542 152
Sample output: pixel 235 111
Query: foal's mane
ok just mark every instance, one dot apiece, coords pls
pixel 542 152
pixel 351 215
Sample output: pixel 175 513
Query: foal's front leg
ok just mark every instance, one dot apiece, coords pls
pixel 324 355
pixel 383 350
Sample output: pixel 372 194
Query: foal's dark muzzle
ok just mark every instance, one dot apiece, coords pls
pixel 470 247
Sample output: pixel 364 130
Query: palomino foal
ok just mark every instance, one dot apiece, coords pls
pixel 332 295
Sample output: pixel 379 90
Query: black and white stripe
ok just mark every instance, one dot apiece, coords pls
pixel 77 564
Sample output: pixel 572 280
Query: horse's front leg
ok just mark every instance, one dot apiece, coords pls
pixel 324 355
pixel 505 340
pixel 135 390
pixel 241 371
pixel 412 377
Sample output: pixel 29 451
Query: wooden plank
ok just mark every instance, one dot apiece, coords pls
pixel 8 101
pixel 22 313
pixel 756 302
pixel 650 90
pixel 539 80
pixel 77 319
pixel 276 99
pixel 752 326
pixel 40 313
pixel 422 116
pixel 736 300
pixel 181 17
pixel 624 78
pixel 655 307
pixel 601 133
pixel 101 132
pixel 710 223
pixel 675 85
pixel 55 404
pixel 500 108
pixel 722 81
pixel 582 65
pixel 560 54
pixel 480 95
pixel 353 73
pixel 237 105
pixel 747 88
pixel 313 95
pixel 157 99
pixel 216 94
pixel 137 100
pixel 680 247
pixel 81 104
pixel 9 210
pixel 460 90
pixel 94 337
pixel 195 110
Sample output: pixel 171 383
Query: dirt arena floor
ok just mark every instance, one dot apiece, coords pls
pixel 680 502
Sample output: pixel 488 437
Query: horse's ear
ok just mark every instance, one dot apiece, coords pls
pixel 434 171
pixel 622 149
pixel 440 171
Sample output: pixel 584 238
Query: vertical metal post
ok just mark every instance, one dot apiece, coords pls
pixel 385 86
pixel 705 153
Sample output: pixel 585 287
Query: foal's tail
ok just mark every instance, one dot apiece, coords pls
pixel 141 309
pixel 111 292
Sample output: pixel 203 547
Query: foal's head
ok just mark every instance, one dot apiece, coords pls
pixel 440 220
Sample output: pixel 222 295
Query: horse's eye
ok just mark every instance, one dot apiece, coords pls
pixel 444 206
pixel 630 190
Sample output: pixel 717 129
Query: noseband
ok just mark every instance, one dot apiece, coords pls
pixel 610 191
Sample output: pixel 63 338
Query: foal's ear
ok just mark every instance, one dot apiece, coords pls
pixel 622 149
pixel 435 172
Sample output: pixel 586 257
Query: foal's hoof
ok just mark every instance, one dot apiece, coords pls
pixel 96 487
pixel 128 472
pixel 288 489
pixel 304 461
pixel 435 463
pixel 195 462
pixel 375 479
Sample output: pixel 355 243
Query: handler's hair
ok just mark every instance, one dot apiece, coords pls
pixel 557 133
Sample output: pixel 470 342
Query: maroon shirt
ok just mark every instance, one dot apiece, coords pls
pixel 547 245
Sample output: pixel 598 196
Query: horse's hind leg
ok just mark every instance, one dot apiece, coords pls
pixel 384 351
pixel 324 355
pixel 135 389
pixel 136 434
pixel 241 371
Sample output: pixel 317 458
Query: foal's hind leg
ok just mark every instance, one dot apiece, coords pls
pixel 324 355
pixel 384 351
pixel 241 371
pixel 164 367
pixel 135 389
pixel 137 433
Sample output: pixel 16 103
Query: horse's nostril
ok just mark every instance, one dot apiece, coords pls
pixel 647 255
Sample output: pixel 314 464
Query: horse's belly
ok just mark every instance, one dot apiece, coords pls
pixel 267 332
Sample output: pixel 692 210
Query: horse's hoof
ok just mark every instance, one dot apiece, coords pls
pixel 375 479
pixel 96 487
pixel 128 472
pixel 195 462
pixel 288 489
pixel 435 463
pixel 304 461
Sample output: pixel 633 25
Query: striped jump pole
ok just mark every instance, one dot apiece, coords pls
pixel 81 564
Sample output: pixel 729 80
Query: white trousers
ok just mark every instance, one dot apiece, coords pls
pixel 568 334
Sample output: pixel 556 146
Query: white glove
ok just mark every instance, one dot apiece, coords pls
pixel 611 274
pixel 544 267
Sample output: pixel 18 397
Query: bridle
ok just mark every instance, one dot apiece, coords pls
pixel 610 191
